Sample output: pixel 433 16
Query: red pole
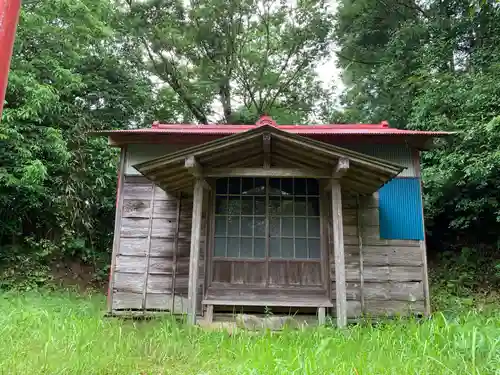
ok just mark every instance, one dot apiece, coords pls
pixel 9 16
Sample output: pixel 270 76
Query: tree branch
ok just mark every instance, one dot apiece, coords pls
pixel 174 82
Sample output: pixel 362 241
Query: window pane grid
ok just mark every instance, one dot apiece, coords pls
pixel 292 212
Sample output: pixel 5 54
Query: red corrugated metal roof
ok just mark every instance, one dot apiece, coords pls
pixel 227 129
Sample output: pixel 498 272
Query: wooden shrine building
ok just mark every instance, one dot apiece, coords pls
pixel 322 218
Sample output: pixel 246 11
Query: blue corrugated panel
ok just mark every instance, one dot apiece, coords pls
pixel 400 208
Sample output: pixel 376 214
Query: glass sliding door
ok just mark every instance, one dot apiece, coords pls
pixel 267 232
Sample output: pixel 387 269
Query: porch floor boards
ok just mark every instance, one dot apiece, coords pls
pixel 268 297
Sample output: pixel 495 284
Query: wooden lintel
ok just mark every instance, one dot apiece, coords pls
pixel 196 170
pixel 266 146
pixel 338 249
pixel 194 254
pixel 266 172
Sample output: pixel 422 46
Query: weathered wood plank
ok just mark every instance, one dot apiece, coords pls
pixel 338 248
pixel 370 201
pixel 131 264
pixel 157 265
pixel 136 208
pixel 397 291
pixel 351 272
pixel 264 295
pixel 194 257
pixel 133 301
pixel 386 255
pixel 379 308
pixel 162 228
pixel 353 309
pixel 166 209
pixel 425 274
pixel 238 273
pixel 160 247
pixel 267 172
pixel 353 290
pixel 136 180
pixel 222 272
pixel 129 282
pixel 142 191
pixel 384 273
pixel 127 300
pixel 367 216
pixel 311 274
pixel 402 273
pixel 277 273
pixel 164 302
pixel 256 273
pixel 159 284
pixel 375 240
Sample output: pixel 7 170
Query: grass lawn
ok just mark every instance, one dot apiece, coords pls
pixel 62 333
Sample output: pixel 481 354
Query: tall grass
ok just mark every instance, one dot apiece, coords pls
pixel 62 333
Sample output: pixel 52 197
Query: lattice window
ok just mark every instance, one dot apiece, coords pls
pixel 259 218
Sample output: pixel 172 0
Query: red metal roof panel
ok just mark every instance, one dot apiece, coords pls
pixel 227 129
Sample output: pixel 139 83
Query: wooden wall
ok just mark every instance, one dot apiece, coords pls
pixel 151 257
pixel 151 265
pixel 383 277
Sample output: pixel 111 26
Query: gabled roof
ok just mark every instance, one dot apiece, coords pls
pixel 365 174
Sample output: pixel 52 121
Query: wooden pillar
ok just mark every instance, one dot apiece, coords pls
pixel 194 254
pixel 321 316
pixel 118 225
pixel 338 247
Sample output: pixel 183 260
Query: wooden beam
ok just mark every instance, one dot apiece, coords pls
pixel 341 168
pixel 194 254
pixel 338 172
pixel 338 248
pixel 266 172
pixel 266 146
pixel 192 165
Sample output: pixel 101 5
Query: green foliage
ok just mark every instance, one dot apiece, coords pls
pixel 433 66
pixel 215 55
pixel 463 280
pixel 57 186
pixel 62 333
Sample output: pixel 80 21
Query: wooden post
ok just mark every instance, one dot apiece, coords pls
pixel 338 248
pixel 176 250
pixel 194 254
pixel 321 316
pixel 148 254
pixel 361 256
pixel 117 231
pixel 209 315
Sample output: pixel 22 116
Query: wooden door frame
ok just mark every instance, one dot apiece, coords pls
pixel 324 241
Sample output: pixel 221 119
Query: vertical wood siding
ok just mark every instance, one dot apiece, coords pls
pixel 390 278
pixel 151 267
